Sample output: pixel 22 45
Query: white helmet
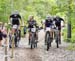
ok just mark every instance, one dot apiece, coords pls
pixel 30 16
pixel 15 12
pixel 48 17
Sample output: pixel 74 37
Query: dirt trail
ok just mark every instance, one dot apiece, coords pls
pixel 24 53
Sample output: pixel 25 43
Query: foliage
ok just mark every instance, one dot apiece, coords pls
pixel 39 8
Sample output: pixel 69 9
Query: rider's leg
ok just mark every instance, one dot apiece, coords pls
pixel 53 34
pixel 13 31
pixel 5 38
pixel 36 35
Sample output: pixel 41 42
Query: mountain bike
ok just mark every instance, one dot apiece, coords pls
pixel 14 37
pixel 48 38
pixel 33 42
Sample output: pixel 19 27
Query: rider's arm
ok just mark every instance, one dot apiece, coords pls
pixel 19 16
pixel 21 22
pixel 36 25
pixel 10 18
pixel 63 21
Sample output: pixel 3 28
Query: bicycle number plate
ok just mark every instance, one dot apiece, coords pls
pixel 33 29
pixel 15 26
pixel 48 29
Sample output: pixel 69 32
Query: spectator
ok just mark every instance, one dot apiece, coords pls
pixel 1 34
pixel 4 32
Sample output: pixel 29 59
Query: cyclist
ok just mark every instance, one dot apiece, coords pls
pixel 4 30
pixel 57 21
pixel 15 23
pixel 31 24
pixel 48 24
pixel 15 20
pixel 1 34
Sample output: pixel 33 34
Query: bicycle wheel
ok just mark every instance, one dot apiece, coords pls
pixel 47 46
pixel 31 46
pixel 35 40
pixel 32 40
pixel 16 39
pixel 48 40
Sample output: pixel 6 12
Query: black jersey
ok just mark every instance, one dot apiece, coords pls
pixel 15 19
pixel 32 23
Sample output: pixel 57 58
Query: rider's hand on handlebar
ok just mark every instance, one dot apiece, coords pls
pixel 63 26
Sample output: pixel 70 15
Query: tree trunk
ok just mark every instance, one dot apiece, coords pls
pixel 69 21
pixel 69 31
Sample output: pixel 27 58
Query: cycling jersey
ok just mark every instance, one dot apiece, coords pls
pixel 58 22
pixel 32 23
pixel 48 23
pixel 15 19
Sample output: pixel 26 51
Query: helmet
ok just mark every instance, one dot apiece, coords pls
pixel 31 16
pixel 15 12
pixel 48 17
pixel 57 16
